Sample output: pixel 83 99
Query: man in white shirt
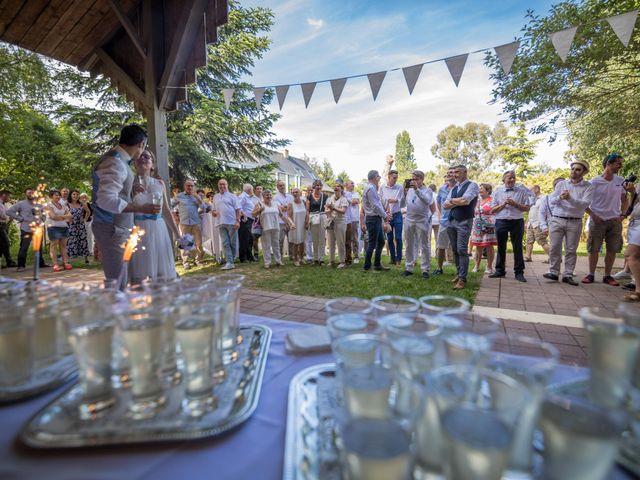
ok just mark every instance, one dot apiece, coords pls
pixel 352 250
pixel 392 195
pixel 534 233
pixel 282 199
pixel 608 204
pixel 568 202
pixel 228 209
pixel 509 203
pixel 417 224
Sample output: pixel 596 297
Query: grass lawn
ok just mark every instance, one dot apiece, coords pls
pixel 323 281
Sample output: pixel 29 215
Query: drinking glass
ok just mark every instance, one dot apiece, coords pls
pixel 472 342
pixel 531 362
pixel 613 349
pixel 143 334
pixel 630 313
pixel 91 341
pixel 350 323
pixel 45 330
pixel 340 305
pixel 228 292
pixel 580 438
pixel 478 410
pixel 412 347
pixel 198 340
pixel 156 198
pixel 72 308
pixel 442 305
pixel 16 342
pixel 388 304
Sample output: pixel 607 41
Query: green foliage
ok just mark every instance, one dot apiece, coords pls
pixel 593 94
pixel 323 170
pixel 516 152
pixel 405 160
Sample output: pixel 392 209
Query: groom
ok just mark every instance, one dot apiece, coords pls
pixel 113 208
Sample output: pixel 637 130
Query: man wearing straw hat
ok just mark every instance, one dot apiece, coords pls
pixel 569 200
pixel 113 208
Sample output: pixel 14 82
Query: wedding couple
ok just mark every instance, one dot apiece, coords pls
pixel 122 201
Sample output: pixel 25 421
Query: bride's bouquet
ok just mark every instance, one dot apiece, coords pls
pixel 186 242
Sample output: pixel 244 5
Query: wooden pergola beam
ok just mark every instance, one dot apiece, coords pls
pixel 119 74
pixel 186 32
pixel 129 28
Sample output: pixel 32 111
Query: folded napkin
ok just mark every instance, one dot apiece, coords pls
pixel 308 340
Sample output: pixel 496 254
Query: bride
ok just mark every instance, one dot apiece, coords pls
pixel 154 257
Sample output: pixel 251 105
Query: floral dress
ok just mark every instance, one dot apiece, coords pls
pixel 483 233
pixel 78 245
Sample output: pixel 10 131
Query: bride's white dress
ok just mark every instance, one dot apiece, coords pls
pixel 154 256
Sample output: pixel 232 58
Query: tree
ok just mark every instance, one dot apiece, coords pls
pixel 343 175
pixel 593 94
pixel 516 151
pixel 405 160
pixel 324 171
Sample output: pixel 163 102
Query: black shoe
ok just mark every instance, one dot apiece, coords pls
pixel 367 269
pixel 406 273
pixel 12 265
pixel 438 271
pixel 496 275
pixel 570 281
pixel 630 286
pixel 551 276
pixel 425 275
pixel 520 278
pixel 381 268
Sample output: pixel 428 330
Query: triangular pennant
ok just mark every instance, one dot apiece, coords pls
pixel 411 75
pixel 228 94
pixel 281 93
pixel 258 93
pixel 506 55
pixel 456 66
pixel 337 86
pixel 307 91
pixel 562 41
pixel 623 25
pixel 375 82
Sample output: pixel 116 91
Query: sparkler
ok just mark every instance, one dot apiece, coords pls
pixel 37 228
pixel 129 247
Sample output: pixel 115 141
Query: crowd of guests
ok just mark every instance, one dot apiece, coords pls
pixel 306 224
pixel 66 216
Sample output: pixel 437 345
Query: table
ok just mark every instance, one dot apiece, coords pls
pixel 252 451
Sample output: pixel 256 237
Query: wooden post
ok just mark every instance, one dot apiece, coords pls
pixel 152 14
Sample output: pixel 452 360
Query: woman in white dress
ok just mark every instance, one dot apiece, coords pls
pixel 336 226
pixel 297 211
pixel 154 257
pixel 269 216
pixel 632 252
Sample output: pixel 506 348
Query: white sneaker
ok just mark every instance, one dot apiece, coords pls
pixel 227 266
pixel 475 270
pixel 490 271
pixel 446 264
pixel 356 260
pixel 622 275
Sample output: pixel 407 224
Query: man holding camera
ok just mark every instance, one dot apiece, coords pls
pixel 608 204
pixel 568 202
pixel 417 224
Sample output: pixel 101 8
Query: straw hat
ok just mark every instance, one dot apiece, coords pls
pixel 584 164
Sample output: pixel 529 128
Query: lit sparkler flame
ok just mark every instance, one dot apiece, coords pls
pixel 37 229
pixel 132 243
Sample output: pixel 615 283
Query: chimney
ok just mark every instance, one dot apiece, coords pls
pixel 285 154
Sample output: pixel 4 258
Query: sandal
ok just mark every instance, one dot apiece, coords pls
pixel 57 268
pixel 632 297
pixel 68 266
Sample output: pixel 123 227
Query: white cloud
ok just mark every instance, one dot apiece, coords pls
pixel 315 22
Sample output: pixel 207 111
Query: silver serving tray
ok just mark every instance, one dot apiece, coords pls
pixel 58 425
pixel 310 445
pixel 43 379
pixel 629 453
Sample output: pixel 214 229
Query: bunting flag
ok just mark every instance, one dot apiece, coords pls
pixel 411 75
pixel 562 41
pixel 281 93
pixel 307 91
pixel 375 82
pixel 506 55
pixel 623 25
pixel 227 94
pixel 258 92
pixel 456 66
pixel 337 86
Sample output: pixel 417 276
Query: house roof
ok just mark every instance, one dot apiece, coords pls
pixel 292 165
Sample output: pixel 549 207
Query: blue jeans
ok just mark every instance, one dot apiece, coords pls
pixel 395 248
pixel 228 236
pixel 375 236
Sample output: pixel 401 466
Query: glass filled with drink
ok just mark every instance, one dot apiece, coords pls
pixel 388 304
pixel 340 305
pixel 16 341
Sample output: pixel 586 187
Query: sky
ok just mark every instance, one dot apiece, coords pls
pixel 314 40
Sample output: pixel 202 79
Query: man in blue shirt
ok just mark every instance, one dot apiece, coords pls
pixel 188 205
pixel 442 242
pixel 375 215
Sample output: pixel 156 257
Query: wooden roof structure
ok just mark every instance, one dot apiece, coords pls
pixel 150 49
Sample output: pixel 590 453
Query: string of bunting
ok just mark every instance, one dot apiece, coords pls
pixel 562 40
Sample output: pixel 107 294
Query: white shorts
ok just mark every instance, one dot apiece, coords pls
pixel 633 233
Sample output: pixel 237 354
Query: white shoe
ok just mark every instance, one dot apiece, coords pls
pixel 227 266
pixel 446 264
pixel 280 264
pixel 267 265
pixel 475 270
pixel 356 260
pixel 341 265
pixel 622 275
pixel 490 271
